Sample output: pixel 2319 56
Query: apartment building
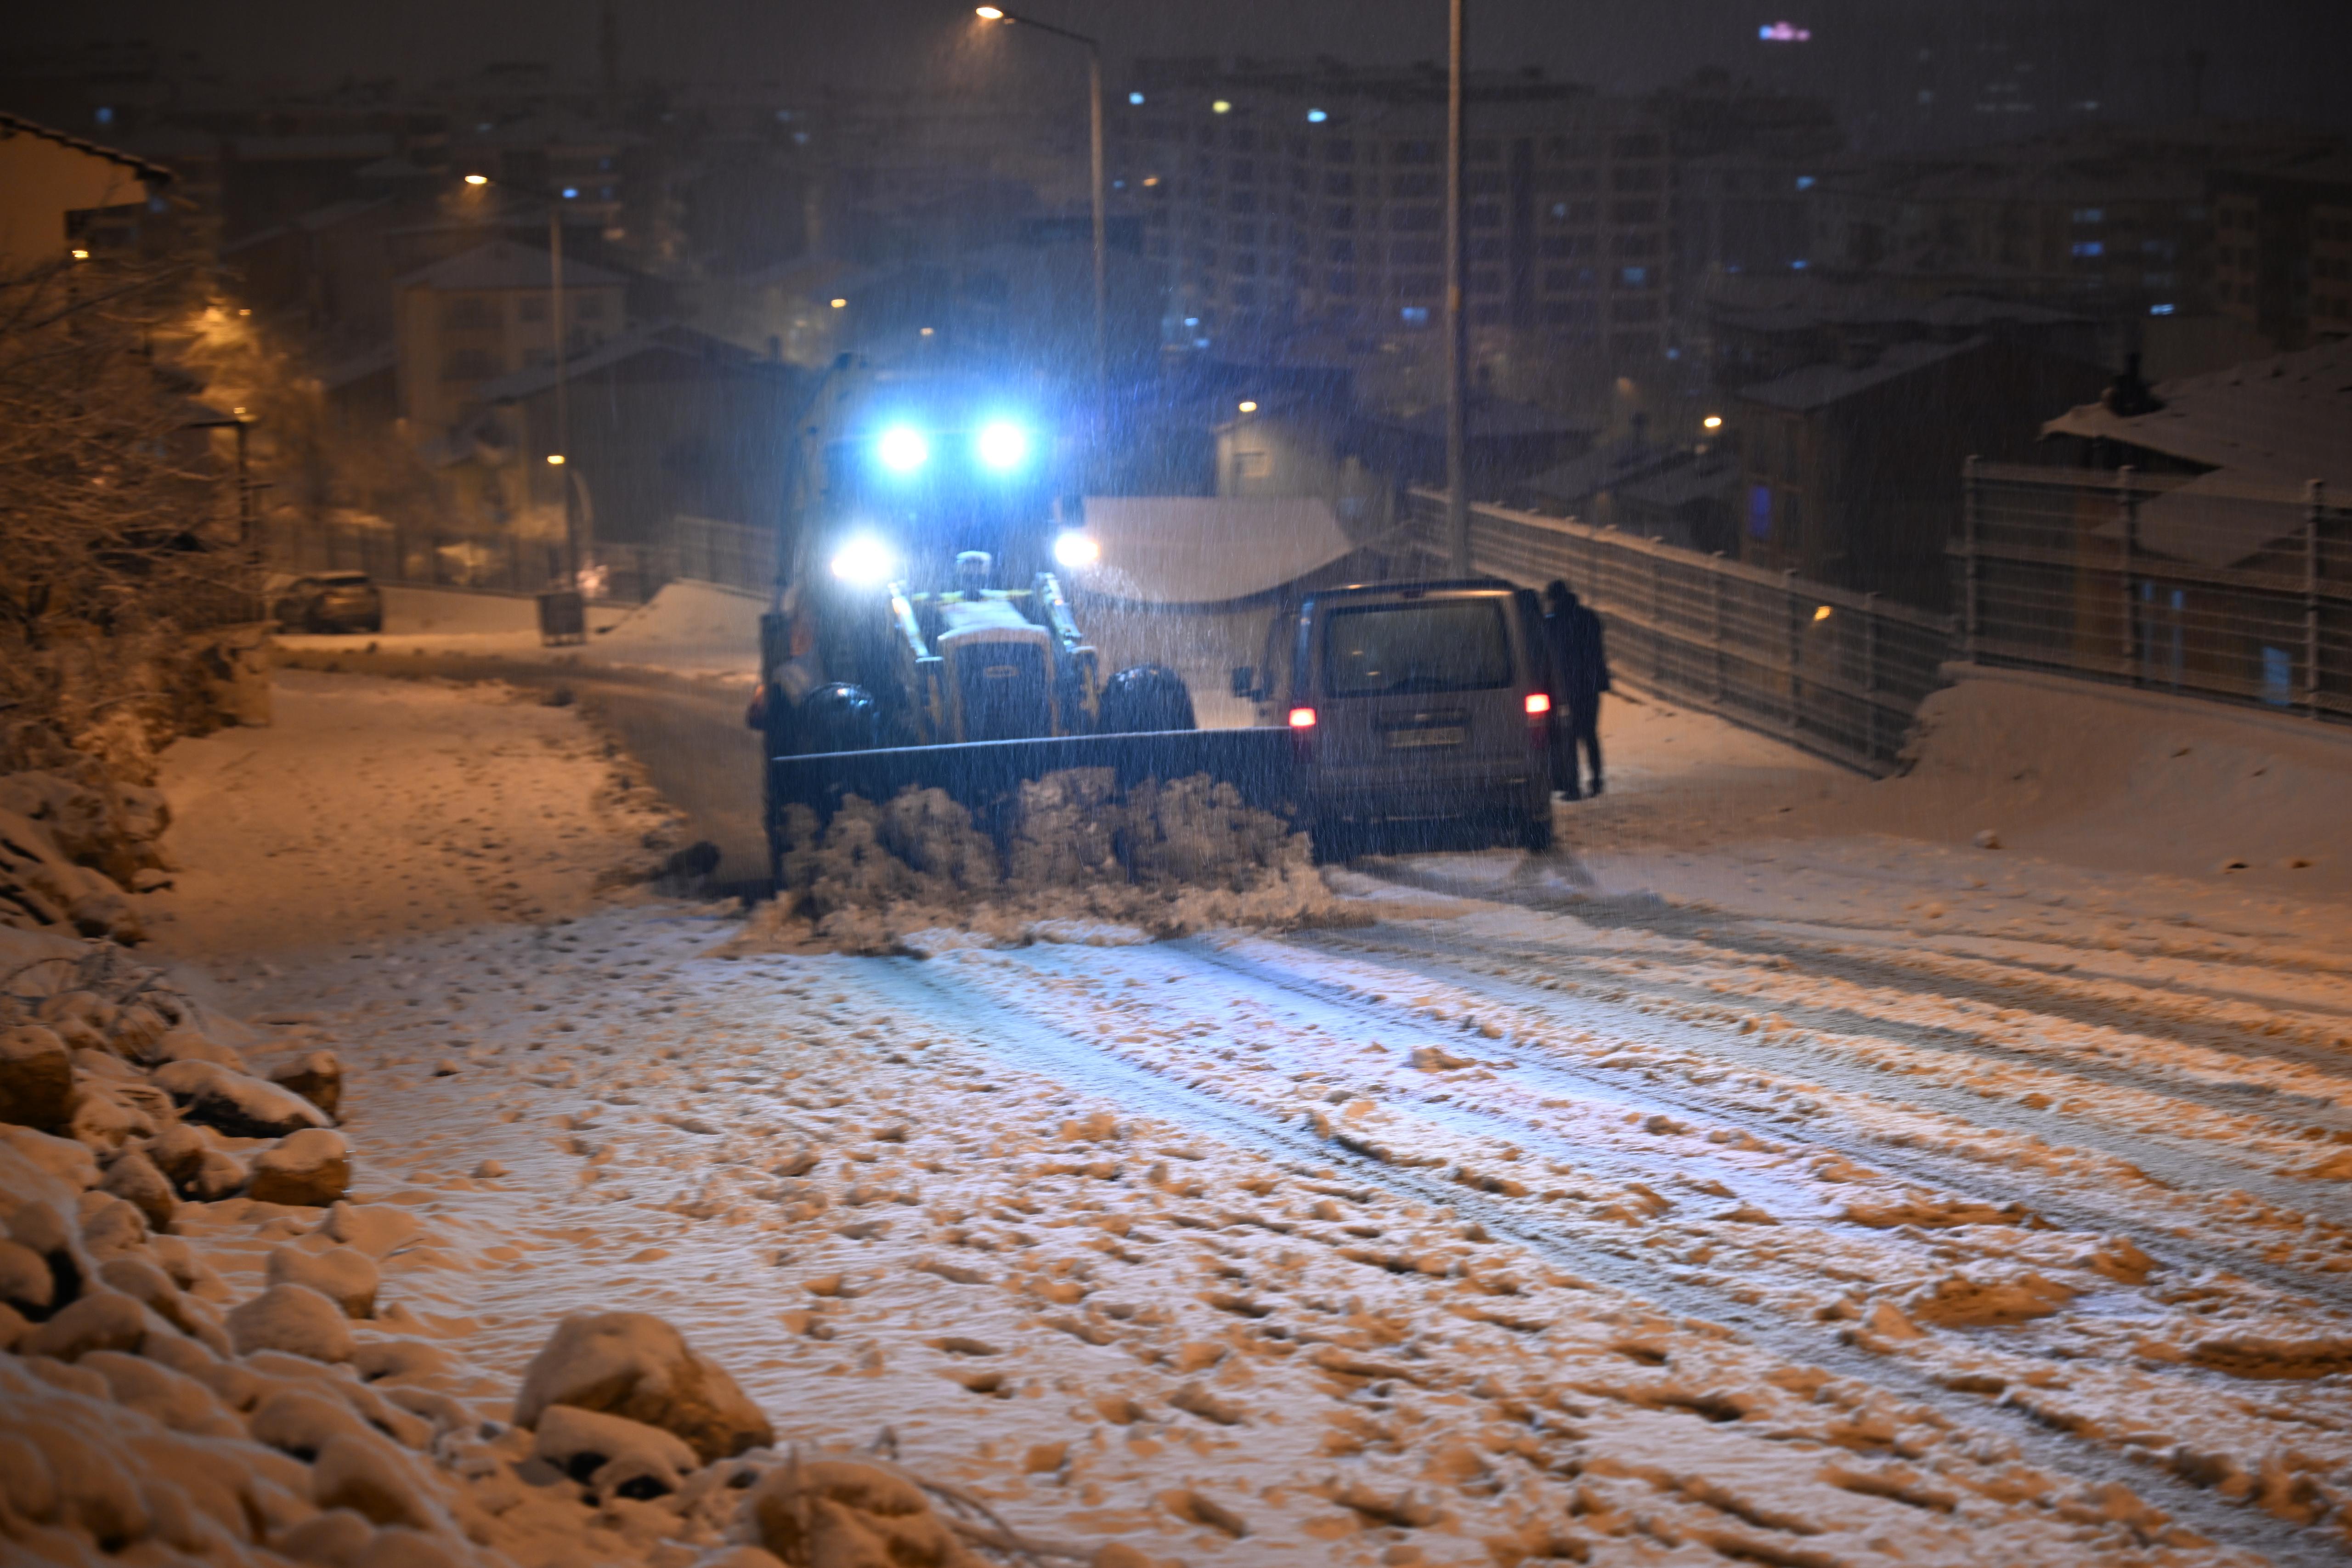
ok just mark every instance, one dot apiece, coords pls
pixel 1288 198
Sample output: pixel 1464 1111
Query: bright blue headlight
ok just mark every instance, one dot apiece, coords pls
pixel 1001 445
pixel 903 450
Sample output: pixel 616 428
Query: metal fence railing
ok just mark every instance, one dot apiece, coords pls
pixel 2204 585
pixel 697 548
pixel 1838 673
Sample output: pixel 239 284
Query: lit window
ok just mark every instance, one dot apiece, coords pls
pixel 2159 309
pixel 1415 315
pixel 1635 277
pixel 1315 117
pixel 1220 107
pixel 105 116
pixel 2086 247
pixel 1804 182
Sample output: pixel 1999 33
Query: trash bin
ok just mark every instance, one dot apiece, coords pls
pixel 562 616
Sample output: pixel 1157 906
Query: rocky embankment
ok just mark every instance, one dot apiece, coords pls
pixel 147 1412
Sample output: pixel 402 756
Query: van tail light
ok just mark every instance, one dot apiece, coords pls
pixel 1538 704
pixel 1302 718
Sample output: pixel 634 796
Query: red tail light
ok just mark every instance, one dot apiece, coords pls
pixel 1538 704
pixel 1302 718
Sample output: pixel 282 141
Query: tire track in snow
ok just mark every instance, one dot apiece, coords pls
pixel 1078 1062
pixel 1634 1086
pixel 1442 962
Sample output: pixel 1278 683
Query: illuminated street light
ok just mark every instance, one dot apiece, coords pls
pixel 1249 405
pixel 988 14
pixel 839 304
pixel 1823 614
pixel 478 179
pixel 1713 421
pixel 1220 107
pixel 1315 117
pixel 79 255
pixel 555 459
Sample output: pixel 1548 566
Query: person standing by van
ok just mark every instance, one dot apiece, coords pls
pixel 1580 665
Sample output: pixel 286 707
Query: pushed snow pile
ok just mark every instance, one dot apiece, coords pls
pixel 72 841
pixel 1082 862
pixel 688 627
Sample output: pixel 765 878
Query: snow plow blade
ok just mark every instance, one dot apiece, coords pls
pixel 985 776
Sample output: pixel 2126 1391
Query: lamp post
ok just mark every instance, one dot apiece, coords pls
pixel 1094 151
pixel 559 459
pixel 1457 346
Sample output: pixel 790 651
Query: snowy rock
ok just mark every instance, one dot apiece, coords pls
pixel 152 1289
pixel 176 1401
pixel 25 1281
pixel 1986 838
pixel 135 1031
pixel 378 1232
pixel 311 1168
pixel 63 1158
pixel 178 1151
pixel 317 1078
pixel 636 1365
pixel 848 1513
pixel 134 1179
pixel 100 1320
pixel 331 1539
pixel 490 1170
pixel 36 1078
pixel 294 1318
pixel 343 1275
pixel 613 1454
pixel 186 1044
pixel 239 1105
pixel 79 1017
pixel 108 1112
pixel 110 1225
pixel 302 1421
pixel 364 1473
pixel 1884 1322
pixel 394 1547
pixel 220 1174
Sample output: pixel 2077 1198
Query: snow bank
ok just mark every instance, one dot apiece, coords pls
pixel 690 627
pixel 1082 863
pixel 2140 781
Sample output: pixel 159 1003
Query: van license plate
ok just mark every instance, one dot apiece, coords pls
pixel 1406 740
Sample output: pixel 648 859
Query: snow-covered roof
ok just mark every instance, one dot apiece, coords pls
pixel 2287 419
pixel 1208 550
pixel 1819 386
pixel 17 125
pixel 503 264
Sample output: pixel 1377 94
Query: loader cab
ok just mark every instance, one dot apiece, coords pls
pixel 1414 705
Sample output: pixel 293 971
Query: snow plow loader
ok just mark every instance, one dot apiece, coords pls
pixel 891 658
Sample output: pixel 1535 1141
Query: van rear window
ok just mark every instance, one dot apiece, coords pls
pixel 1456 645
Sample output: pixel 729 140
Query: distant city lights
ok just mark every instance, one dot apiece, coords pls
pixel 1222 106
pixel 1713 422
pixel 478 179
pixel 1315 117
pixel 1783 33
pixel 2159 309
pixel 1249 405
pixel 1136 98
pixel 840 304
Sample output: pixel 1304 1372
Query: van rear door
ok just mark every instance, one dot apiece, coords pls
pixel 1419 700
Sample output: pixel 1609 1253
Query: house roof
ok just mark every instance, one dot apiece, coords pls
pixel 1819 386
pixel 16 125
pixel 2285 420
pixel 503 264
pixel 657 337
pixel 1208 550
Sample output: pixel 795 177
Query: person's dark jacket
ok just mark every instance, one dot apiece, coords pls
pixel 1579 660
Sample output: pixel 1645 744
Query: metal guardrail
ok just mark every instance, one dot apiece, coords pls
pixel 1837 673
pixel 2201 585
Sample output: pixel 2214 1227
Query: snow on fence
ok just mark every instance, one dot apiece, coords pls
pixel 2207 586
pixel 1835 672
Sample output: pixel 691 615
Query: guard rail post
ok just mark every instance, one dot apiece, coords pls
pixel 2315 501
pixel 1970 504
pixel 2127 497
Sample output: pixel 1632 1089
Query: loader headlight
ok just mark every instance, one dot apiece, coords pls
pixel 1075 550
pixel 863 562
pixel 902 450
pixel 1001 445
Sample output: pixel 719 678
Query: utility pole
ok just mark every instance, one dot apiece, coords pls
pixel 1457 344
pixel 563 458
pixel 1102 276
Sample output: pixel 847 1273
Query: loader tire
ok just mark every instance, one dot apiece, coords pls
pixel 1146 697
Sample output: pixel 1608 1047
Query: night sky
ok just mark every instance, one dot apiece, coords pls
pixel 2270 57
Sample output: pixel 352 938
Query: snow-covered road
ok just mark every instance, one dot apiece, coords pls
pixel 1796 1196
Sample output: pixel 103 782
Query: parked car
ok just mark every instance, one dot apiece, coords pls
pixel 326 601
pixel 1415 704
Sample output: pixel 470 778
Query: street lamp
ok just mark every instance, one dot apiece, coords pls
pixel 563 375
pixel 1095 149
